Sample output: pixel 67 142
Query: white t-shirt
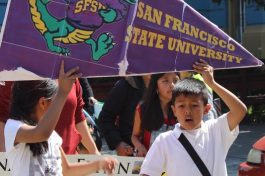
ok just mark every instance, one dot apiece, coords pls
pixel 21 160
pixel 212 142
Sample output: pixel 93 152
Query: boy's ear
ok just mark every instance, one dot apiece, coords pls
pixel 207 108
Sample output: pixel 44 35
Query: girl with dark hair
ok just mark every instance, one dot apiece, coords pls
pixel 29 133
pixel 154 115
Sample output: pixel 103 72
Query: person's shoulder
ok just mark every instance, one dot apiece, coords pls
pixel 166 135
pixel 216 124
pixel 220 119
pixel 223 115
pixel 13 122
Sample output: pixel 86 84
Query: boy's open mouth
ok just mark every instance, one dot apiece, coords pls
pixel 188 119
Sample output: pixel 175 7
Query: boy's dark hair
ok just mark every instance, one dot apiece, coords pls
pixel 190 87
pixel 152 117
pixel 25 96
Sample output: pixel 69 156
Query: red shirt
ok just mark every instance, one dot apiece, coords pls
pixel 71 115
pixel 5 96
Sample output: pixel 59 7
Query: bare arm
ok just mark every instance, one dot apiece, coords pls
pixel 41 132
pixel 87 139
pixel 136 135
pixel 2 137
pixel 75 169
pixel 237 108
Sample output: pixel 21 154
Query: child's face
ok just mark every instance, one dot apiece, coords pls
pixel 165 86
pixel 189 111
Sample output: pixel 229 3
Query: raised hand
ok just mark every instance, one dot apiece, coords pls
pixel 67 79
pixel 205 70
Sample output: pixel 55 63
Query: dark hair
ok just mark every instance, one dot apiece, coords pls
pixel 190 87
pixel 25 96
pixel 152 117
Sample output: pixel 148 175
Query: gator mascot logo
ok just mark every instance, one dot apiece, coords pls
pixel 83 18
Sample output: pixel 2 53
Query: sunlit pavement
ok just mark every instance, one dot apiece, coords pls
pixel 249 134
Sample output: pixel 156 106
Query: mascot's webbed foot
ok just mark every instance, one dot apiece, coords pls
pixel 60 50
pixel 102 46
pixel 108 15
pixel 54 48
pixel 65 51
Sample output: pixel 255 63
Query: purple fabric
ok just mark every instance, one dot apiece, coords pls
pixel 24 46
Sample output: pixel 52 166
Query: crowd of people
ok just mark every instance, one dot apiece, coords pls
pixel 145 116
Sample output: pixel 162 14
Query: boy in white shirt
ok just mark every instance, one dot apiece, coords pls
pixel 211 140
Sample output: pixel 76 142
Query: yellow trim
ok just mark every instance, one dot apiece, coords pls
pixel 76 36
pixel 36 17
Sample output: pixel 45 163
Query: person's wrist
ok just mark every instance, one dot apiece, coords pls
pixel 99 165
pixel 139 147
pixel 62 92
pixel 212 84
pixel 61 96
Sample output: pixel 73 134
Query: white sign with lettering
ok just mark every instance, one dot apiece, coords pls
pixel 127 165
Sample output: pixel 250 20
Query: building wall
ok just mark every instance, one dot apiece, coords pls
pixel 216 13
pixel 3 4
pixel 254 15
pixel 254 34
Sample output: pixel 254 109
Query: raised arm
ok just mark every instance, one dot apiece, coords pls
pixel 44 128
pixel 237 108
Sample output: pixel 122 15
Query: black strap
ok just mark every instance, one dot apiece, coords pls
pixel 193 154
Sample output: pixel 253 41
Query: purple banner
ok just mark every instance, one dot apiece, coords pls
pixel 111 38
